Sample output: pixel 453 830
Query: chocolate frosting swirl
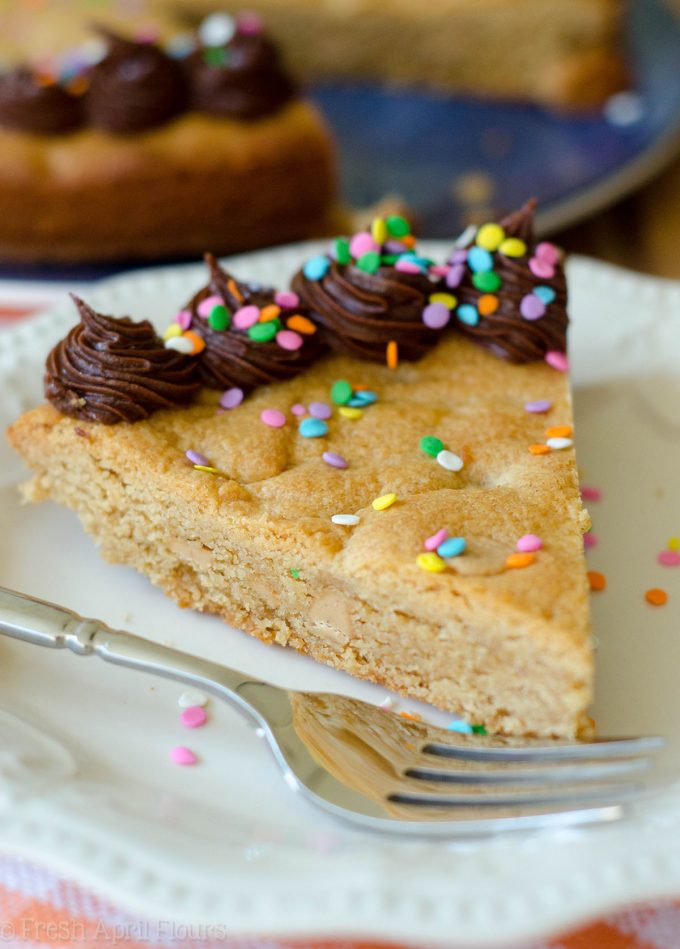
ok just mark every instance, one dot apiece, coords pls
pixel 362 312
pixel 29 106
pixel 231 357
pixel 248 84
pixel 135 87
pixel 116 370
pixel 506 333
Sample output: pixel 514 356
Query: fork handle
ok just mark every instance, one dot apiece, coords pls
pixel 45 624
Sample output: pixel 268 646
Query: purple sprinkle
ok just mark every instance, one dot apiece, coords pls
pixel 436 316
pixel 335 461
pixel 196 458
pixel 539 406
pixel 458 256
pixel 184 319
pixel 298 409
pixel 455 275
pixel 395 247
pixel 320 410
pixel 532 307
pixel 231 398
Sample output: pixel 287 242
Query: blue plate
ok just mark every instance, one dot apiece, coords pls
pixel 446 156
pixel 449 157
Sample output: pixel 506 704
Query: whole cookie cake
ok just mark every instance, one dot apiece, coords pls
pixel 374 466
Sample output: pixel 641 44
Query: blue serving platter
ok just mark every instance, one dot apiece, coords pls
pixel 449 158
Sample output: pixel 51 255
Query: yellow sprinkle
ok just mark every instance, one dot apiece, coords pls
pixel 447 299
pixel 674 543
pixel 384 501
pixel 490 236
pixel 431 562
pixel 513 247
pixel 210 470
pixel 392 354
pixel 173 330
pixel 379 231
pixel 350 411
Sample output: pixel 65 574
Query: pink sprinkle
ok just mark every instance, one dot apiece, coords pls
pixel 286 299
pixel 541 268
pixel 547 252
pixel 407 266
pixel 246 317
pixel 591 494
pixel 249 23
pixel 334 460
pixel 433 542
pixel 361 244
pixel 204 308
pixel 298 409
pixel 196 458
pixel 184 319
pixel 289 339
pixel 182 756
pixel 529 543
pixel 273 418
pixel 193 717
pixel 669 558
pixel 231 398
pixel 557 360
pixel 539 406
pixel 320 410
pixel 590 540
pixel 439 270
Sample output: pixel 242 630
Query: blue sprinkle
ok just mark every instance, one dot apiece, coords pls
pixel 313 428
pixel 316 268
pixel 451 547
pixel 458 725
pixel 547 294
pixel 366 396
pixel 468 314
pixel 423 262
pixel 479 260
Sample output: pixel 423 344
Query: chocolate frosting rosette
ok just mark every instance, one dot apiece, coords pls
pixel 244 335
pixel 136 86
pixel 511 291
pixel 374 296
pixel 236 71
pixel 112 370
pixel 30 102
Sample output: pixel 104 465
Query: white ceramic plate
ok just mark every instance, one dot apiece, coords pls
pixel 85 780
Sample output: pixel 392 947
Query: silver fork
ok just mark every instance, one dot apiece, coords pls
pixel 371 766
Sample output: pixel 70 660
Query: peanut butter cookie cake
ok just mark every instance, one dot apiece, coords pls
pixel 374 467
pixel 127 148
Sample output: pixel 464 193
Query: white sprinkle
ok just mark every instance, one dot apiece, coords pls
pixel 624 108
pixel 387 702
pixel 217 29
pixel 93 51
pixel 180 343
pixel 466 237
pixel 347 520
pixel 193 697
pixel 557 443
pixel 448 460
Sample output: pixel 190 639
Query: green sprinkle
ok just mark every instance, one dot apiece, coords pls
pixel 479 730
pixel 342 254
pixel 487 281
pixel 431 445
pixel 389 259
pixel 215 56
pixel 369 262
pixel 341 392
pixel 264 332
pixel 219 318
pixel 295 573
pixel 398 226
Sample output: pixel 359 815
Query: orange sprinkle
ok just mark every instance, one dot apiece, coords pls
pixel 656 597
pixel 539 449
pixel 413 716
pixel 597 580
pixel 520 560
pixel 360 387
pixel 269 313
pixel 487 304
pixel 197 341
pixel 78 86
pixel 234 290
pixel 409 240
pixel 301 324
pixel 559 431
pixel 392 354
pixel 45 79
